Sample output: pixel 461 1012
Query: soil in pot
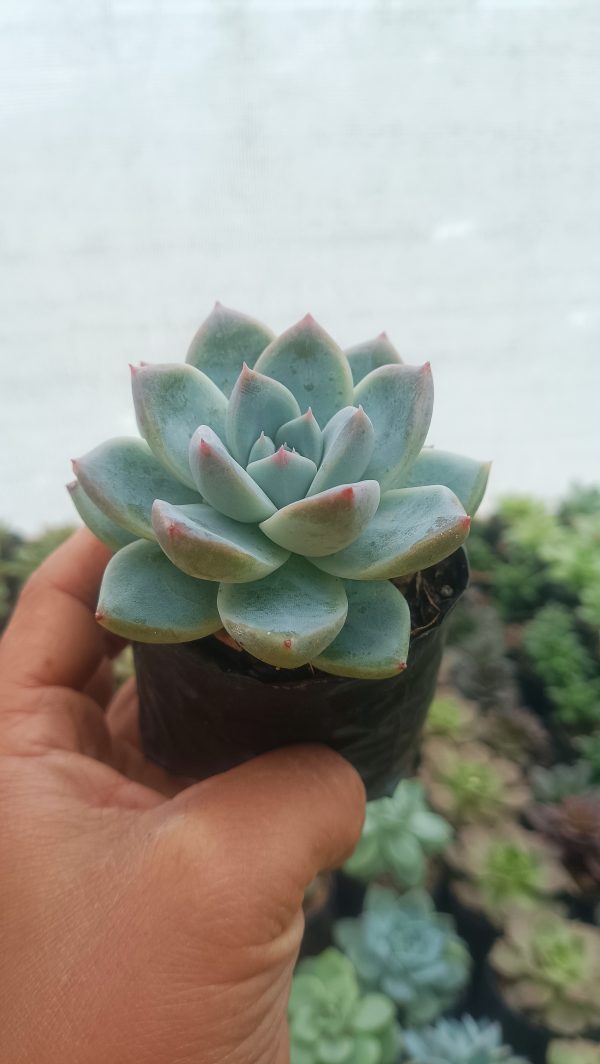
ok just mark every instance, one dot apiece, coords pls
pixel 206 706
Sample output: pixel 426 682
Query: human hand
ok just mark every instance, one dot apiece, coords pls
pixel 141 923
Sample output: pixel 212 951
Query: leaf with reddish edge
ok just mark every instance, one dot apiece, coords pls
pixel 303 435
pixel 288 618
pixel 285 476
pixel 224 342
pixel 144 597
pixel 373 644
pixel 209 546
pixel 315 369
pixel 107 531
pixel 223 482
pixel 320 524
pixel 399 402
pixel 412 529
pixel 257 404
pixel 347 451
pixel 370 355
pixel 123 478
pixel 170 402
pixel 466 477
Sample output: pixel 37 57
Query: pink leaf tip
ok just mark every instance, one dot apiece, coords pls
pixel 307 320
pixel 382 335
pixel 347 493
pixel 426 367
pixel 287 644
pixel 401 666
pixel 99 615
pixel 205 447
pixel 466 521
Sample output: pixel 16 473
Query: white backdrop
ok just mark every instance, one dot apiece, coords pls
pixel 431 168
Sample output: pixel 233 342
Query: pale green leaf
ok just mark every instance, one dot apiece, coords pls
pixel 223 482
pixel 323 523
pixel 399 402
pixel 224 342
pixel 374 641
pixel 106 530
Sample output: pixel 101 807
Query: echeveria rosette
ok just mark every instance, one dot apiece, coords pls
pixel 279 487
pixel 464 1041
pixel 402 947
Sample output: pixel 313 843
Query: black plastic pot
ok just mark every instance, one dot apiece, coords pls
pixel 206 706
pixel 349 895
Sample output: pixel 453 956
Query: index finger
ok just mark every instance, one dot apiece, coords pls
pixel 53 638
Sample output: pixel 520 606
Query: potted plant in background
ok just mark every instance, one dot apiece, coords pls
pixel 403 948
pixel 465 1041
pixel 573 826
pixel 468 784
pixel 543 980
pixel 331 1020
pixel 399 836
pixel 294 547
pixel 573 1052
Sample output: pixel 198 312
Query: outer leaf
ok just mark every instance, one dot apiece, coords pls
pixel 370 355
pixel 146 598
pixel 314 368
pixel 209 546
pixel 257 404
pixel 320 524
pixel 286 619
pixel 170 402
pixel 103 528
pixel 303 435
pixel 399 401
pixel 223 483
pixel 413 529
pixel 224 342
pixel 263 447
pixel 374 641
pixel 284 476
pixel 123 478
pixel 347 451
pixel 374 1014
pixel 466 477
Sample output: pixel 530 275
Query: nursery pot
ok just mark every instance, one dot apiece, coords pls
pixel 206 706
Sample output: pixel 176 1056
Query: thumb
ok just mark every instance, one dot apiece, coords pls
pixel 280 818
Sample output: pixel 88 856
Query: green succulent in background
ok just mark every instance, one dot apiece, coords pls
pixel 330 1019
pixel 280 486
pixel 561 660
pixel 573 825
pixel 549 969
pixel 402 947
pixel 550 785
pixel 577 1052
pixel 515 733
pixel 589 748
pixel 398 836
pixel 482 670
pixel 465 1041
pixel 452 718
pixel 508 866
pixel 468 784
pixel 20 557
pixel 580 500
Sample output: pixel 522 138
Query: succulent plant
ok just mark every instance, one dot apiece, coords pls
pixel 507 866
pixel 452 717
pixel 574 826
pixel 482 670
pixel 577 1052
pixel 280 486
pixel 550 785
pixel 516 734
pixel 465 1041
pixel 568 670
pixel 549 969
pixel 398 836
pixel 330 1020
pixel 469 785
pixel 404 948
pixel 589 748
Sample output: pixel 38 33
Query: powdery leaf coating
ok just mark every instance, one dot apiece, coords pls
pixel 399 402
pixel 223 482
pixel 370 355
pixel 123 478
pixel 144 597
pixel 466 477
pixel 374 641
pixel 326 522
pixel 107 531
pixel 304 435
pixel 288 618
pixel 257 404
pixel 412 529
pixel 312 366
pixel 170 402
pixel 283 476
pixel 209 546
pixel 347 450
pixel 224 342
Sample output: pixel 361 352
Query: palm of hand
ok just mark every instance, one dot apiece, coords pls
pixel 142 918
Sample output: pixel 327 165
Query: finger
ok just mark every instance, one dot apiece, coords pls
pixel 122 715
pixel 53 638
pixel 101 687
pixel 282 818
